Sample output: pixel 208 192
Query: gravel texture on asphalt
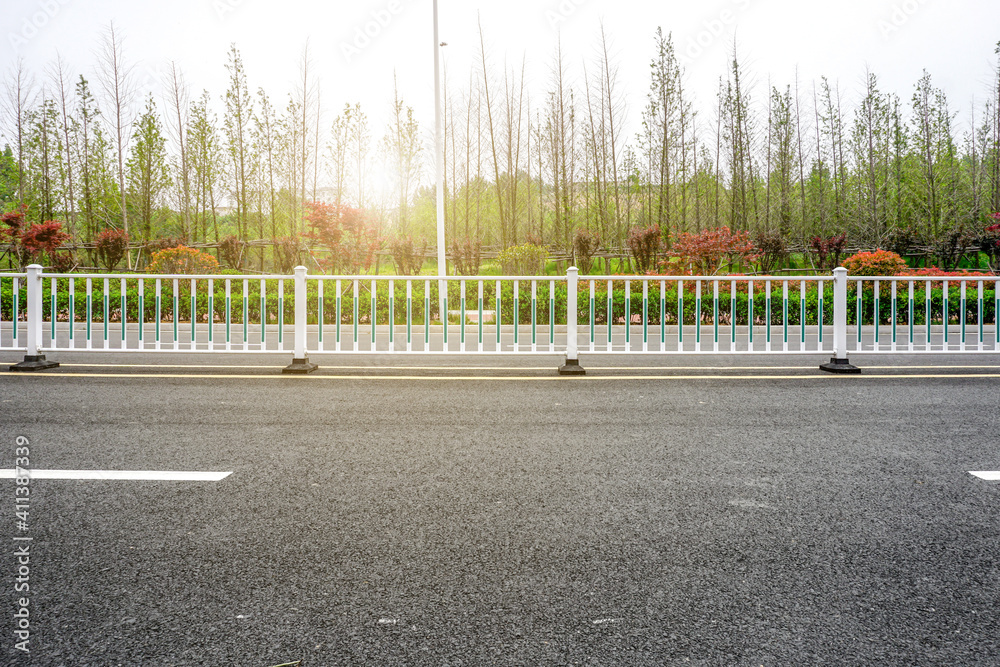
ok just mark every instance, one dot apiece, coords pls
pixel 419 522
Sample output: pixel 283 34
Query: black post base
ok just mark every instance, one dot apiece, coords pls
pixel 300 367
pixel 839 366
pixel 572 367
pixel 34 362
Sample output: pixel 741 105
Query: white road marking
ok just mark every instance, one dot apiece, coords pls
pixel 133 475
pixel 990 475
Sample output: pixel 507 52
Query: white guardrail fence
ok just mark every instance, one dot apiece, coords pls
pixel 312 315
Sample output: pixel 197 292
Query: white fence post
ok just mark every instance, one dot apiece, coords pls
pixel 300 361
pixel 839 362
pixel 572 365
pixel 34 360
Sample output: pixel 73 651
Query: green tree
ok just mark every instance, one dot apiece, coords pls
pixel 44 153
pixel 402 148
pixel 934 183
pixel 148 173
pixel 237 123
pixel 8 178
pixel 870 146
pixel 781 180
pixel 206 166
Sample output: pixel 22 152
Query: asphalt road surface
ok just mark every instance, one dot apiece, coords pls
pixel 722 512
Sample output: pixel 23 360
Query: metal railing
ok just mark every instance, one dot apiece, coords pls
pixel 317 315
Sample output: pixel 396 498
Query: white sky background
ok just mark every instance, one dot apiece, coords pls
pixel 896 39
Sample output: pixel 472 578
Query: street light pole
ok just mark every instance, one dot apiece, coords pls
pixel 438 152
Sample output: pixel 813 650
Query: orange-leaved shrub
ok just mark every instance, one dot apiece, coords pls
pixel 878 263
pixel 183 260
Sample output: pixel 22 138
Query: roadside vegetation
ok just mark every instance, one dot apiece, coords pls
pixel 789 179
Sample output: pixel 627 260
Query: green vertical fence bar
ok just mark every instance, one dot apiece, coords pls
pixel 767 314
pixel 927 315
pixel 715 315
pixel 53 290
pixel 229 314
pixel 462 314
pixel 750 316
pixel 593 315
pixel 90 313
pixel 427 315
pixel 534 314
pixel 912 310
pixel 496 299
pixel 821 286
pixel 628 314
pixel 697 317
pixel 141 318
pixel 552 315
pixel 176 315
pixel 15 313
pixel 374 313
pixel 645 315
pixel 281 313
pixel 944 313
pixel 963 318
pixel 107 312
pixel 409 315
pixel 732 314
pixel 996 312
pixel 15 304
pixel 340 296
pixel 392 315
pixel 72 308
pixel 802 313
pixel 159 305
pixel 980 313
pixel 680 315
pixel 893 314
pixel 663 315
pixel 611 309
pixel 211 313
pixel 194 315
pixel 443 284
pixel 246 314
pixel 858 286
pixel 517 312
pixel 355 300
pixel 784 316
pixel 124 318
pixel 373 317
pixel 479 346
pixel 263 315
pixel 53 308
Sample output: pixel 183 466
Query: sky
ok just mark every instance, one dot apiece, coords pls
pixel 358 46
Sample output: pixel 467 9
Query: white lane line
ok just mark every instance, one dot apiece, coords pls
pixel 989 475
pixel 133 475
